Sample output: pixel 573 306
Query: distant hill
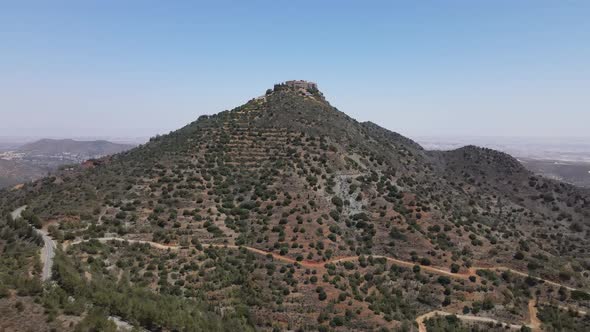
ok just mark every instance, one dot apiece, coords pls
pixel 70 146
pixel 565 159
pixel 34 160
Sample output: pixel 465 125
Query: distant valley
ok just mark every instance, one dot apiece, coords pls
pixel 21 163
pixel 577 173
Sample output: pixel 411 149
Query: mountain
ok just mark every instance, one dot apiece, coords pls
pixel 284 213
pixel 34 160
pixel 563 159
pixel 92 149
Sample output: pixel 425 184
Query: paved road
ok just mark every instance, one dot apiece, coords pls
pixel 17 213
pixel 47 254
pixel 48 250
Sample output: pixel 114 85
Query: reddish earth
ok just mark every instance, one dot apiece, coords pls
pixel 305 263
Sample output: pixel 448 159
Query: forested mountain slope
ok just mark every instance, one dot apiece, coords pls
pixel 328 224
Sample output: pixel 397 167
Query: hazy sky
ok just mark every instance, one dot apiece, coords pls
pixel 136 68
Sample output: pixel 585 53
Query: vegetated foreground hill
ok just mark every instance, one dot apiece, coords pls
pixel 285 213
pixel 14 172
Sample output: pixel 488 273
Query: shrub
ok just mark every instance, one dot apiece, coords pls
pixel 424 261
pixel 337 321
pixel 444 280
pixel 337 201
pixel 580 295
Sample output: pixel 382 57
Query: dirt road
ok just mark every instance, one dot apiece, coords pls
pixel 534 323
pixel 430 269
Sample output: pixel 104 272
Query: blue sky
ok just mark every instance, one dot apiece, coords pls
pixel 137 68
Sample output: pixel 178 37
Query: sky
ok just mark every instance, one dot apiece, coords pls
pixel 421 68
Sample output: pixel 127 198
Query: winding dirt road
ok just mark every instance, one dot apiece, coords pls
pixel 522 274
pixel 156 245
pixel 305 263
pixel 534 323
pixel 398 262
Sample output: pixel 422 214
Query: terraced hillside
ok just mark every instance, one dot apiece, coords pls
pixel 286 214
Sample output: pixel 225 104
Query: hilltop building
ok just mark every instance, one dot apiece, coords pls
pixel 304 86
pixel 300 84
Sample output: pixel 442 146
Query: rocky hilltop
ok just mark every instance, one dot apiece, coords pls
pixel 285 213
